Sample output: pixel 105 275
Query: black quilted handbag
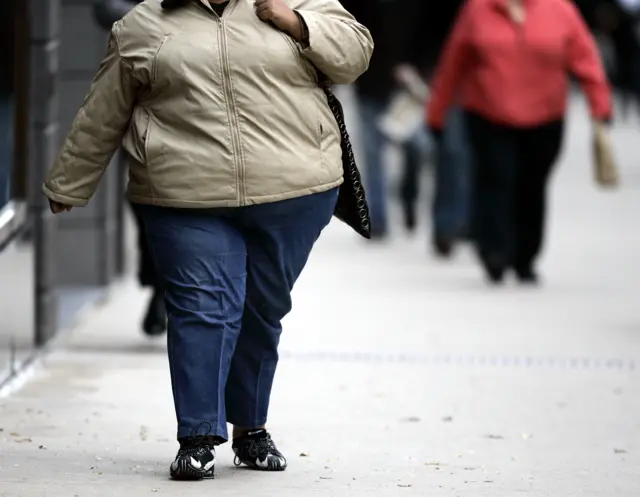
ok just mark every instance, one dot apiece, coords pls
pixel 351 208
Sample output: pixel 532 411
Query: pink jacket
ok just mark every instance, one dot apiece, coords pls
pixel 515 74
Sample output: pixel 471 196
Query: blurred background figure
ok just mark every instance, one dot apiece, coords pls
pixel 509 60
pixel 426 27
pixel 617 20
pixel 392 25
pixel 451 202
pixel 402 125
pixel 107 12
pixel 6 107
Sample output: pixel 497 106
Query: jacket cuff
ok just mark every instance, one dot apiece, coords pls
pixel 304 29
pixel 308 23
pixel 63 199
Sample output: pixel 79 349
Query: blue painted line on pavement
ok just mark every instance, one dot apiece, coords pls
pixel 482 361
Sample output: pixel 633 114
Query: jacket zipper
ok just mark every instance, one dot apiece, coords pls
pixel 231 110
pixel 231 107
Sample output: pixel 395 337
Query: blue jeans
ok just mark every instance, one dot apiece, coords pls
pixel 6 148
pixel 374 174
pixel 228 276
pixel 452 200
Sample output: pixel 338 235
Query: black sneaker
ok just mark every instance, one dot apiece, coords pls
pixel 443 246
pixel 494 267
pixel 409 217
pixel 195 460
pixel 526 275
pixel 257 451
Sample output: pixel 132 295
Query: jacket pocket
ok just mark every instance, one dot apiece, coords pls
pixel 154 69
pixel 147 139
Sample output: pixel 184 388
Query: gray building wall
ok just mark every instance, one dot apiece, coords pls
pixel 42 18
pixel 87 240
pixel 80 249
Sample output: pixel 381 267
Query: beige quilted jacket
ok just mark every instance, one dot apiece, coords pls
pixel 213 111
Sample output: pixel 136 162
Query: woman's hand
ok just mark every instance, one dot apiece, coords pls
pixel 281 15
pixel 57 207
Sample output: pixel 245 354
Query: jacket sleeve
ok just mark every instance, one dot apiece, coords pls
pixel 586 65
pixel 449 70
pixel 96 132
pixel 338 45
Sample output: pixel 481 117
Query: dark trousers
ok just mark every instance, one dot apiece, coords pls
pixel 450 209
pixel 415 151
pixel 512 169
pixel 228 276
pixel 414 157
pixel 146 270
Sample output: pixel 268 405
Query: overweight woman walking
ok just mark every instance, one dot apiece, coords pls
pixel 235 167
pixel 510 61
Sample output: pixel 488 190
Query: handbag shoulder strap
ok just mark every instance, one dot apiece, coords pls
pixel 338 113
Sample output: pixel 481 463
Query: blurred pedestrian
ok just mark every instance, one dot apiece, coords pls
pixel 425 25
pixel 452 186
pixel 451 189
pixel 391 25
pixel 619 20
pixel 108 12
pixel 235 166
pixel 402 125
pixel 510 60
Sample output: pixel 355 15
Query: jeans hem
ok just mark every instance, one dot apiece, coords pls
pixel 219 434
pixel 246 424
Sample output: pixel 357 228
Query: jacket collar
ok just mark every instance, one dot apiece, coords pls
pixel 205 3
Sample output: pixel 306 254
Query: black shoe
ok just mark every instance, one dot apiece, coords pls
pixel 257 451
pixel 494 267
pixel 495 273
pixel 443 246
pixel 196 459
pixel 409 217
pixel 155 321
pixel 526 275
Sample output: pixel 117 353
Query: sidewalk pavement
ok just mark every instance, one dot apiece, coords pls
pixel 400 375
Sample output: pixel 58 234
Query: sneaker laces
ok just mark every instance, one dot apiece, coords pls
pixel 196 443
pixel 195 450
pixel 265 445
pixel 257 447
